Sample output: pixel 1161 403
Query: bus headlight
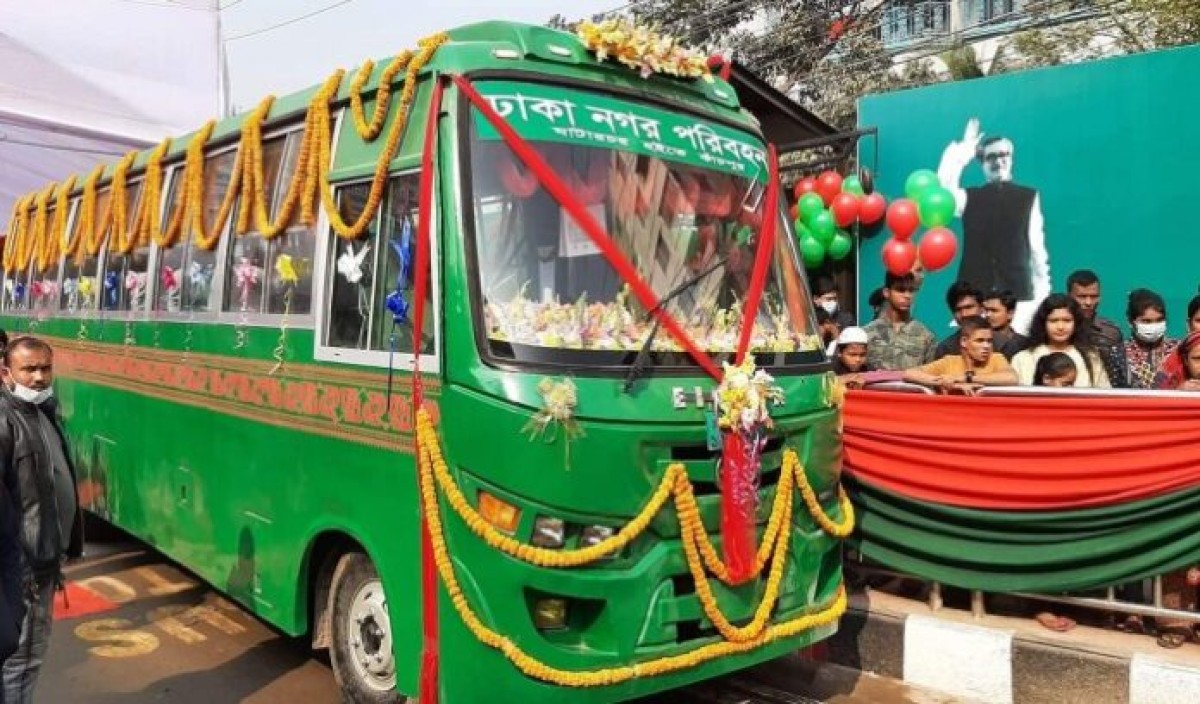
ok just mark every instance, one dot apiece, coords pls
pixel 499 513
pixel 548 532
pixel 594 535
pixel 550 614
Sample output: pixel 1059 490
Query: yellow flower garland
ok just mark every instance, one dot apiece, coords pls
pixel 86 217
pixel 352 230
pixel 18 232
pixel 149 219
pixel 309 185
pixel 434 473
pixel 370 130
pixel 52 242
pixel 122 236
pixel 34 240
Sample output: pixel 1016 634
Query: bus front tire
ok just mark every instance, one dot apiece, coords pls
pixel 361 647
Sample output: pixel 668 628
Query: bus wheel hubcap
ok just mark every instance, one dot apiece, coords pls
pixel 370 636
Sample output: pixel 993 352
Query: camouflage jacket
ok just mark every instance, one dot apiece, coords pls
pixel 910 345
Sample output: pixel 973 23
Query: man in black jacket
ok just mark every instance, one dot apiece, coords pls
pixel 35 464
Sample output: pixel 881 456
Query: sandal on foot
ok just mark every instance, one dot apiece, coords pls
pixel 1171 640
pixel 1061 624
pixel 1132 624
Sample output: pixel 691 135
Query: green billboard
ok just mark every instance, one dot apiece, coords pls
pixel 1088 166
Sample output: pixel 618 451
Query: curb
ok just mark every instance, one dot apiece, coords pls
pixel 1004 660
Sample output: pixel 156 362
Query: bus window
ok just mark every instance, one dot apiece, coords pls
pixel 299 243
pixel 18 293
pixel 399 223
pixel 44 293
pixel 200 265
pixel 245 274
pixel 124 279
pixel 254 283
pixel 353 272
pixel 365 271
pixel 170 260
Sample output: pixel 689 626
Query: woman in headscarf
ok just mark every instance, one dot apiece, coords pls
pixel 1180 371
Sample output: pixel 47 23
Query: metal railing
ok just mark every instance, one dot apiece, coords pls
pixel 1109 603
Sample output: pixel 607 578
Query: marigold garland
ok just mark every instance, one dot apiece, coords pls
pixel 353 230
pixel 434 473
pixel 85 219
pixel 370 130
pixel 52 241
pixel 149 219
pixel 308 188
pixel 32 251
pixel 121 235
pixel 18 232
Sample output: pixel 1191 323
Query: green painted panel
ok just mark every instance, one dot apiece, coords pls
pixel 1110 146
pixel 556 114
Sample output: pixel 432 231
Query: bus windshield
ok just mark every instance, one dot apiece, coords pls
pixel 681 198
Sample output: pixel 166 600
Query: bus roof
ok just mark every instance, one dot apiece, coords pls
pixel 494 45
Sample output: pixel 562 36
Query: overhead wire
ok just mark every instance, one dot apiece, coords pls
pixel 287 22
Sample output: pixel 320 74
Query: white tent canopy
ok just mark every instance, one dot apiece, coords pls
pixel 84 81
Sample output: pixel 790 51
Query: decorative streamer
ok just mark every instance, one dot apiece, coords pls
pixel 111 291
pixel 245 276
pixel 285 269
pixel 350 266
pixel 743 400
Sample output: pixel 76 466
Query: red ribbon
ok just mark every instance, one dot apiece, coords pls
pixel 762 260
pixel 594 230
pixel 739 504
pixel 429 576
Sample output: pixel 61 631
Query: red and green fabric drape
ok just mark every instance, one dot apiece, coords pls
pixel 1025 494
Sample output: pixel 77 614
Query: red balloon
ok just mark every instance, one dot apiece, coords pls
pixel 829 184
pixel 871 208
pixel 805 185
pixel 845 208
pixel 938 247
pixel 903 218
pixel 794 211
pixel 899 256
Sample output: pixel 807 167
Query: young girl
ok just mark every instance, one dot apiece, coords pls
pixel 1059 326
pixel 1055 369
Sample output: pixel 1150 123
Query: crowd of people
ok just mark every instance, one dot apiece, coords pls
pixel 1068 343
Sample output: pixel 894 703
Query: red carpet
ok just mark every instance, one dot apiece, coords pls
pixel 83 602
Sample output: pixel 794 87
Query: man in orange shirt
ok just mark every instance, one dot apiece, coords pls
pixel 975 366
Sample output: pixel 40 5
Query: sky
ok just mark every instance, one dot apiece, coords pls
pixel 305 52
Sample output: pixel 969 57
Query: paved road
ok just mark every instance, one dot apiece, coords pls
pixel 160 636
pixel 170 640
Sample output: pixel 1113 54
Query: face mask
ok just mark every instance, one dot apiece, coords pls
pixel 1150 332
pixel 31 395
pixel 831 307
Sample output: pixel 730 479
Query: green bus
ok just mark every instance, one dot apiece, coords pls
pixel 240 315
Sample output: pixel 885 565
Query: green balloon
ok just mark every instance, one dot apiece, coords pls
pixel 809 205
pixel 841 245
pixel 823 227
pixel 812 252
pixel 918 182
pixel 851 184
pixel 936 207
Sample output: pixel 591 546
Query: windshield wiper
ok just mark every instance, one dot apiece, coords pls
pixel 641 361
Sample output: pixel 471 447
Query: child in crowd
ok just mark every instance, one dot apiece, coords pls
pixel 850 352
pixel 1055 369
